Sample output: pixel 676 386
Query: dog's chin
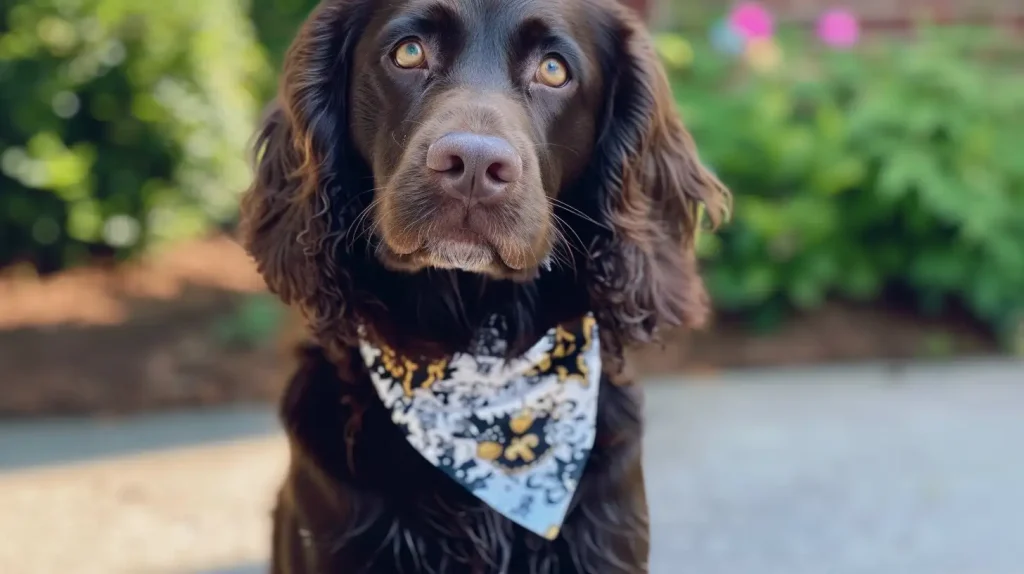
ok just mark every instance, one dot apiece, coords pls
pixel 469 254
pixel 463 255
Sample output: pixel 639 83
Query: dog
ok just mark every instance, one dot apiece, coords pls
pixel 478 206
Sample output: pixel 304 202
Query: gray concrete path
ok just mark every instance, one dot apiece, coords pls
pixel 821 471
pixel 29 443
pixel 840 472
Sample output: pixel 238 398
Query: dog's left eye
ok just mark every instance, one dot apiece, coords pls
pixel 553 72
pixel 410 54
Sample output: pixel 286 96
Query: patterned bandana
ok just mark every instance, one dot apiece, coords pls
pixel 515 433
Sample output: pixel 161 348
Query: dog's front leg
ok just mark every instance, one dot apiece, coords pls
pixel 610 530
pixel 289 553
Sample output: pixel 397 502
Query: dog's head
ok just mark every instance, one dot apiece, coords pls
pixel 485 136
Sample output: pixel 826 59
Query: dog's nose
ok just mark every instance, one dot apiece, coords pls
pixel 475 166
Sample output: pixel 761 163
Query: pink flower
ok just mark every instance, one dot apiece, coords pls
pixel 839 28
pixel 752 20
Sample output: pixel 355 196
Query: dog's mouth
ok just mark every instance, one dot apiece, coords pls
pixel 461 249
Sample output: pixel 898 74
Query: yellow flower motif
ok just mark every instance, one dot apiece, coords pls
pixel 404 370
pixel 390 361
pixel 522 448
pixel 435 372
pixel 489 450
pixel 580 375
pixel 521 423
pixel 565 343
pixel 543 365
pixel 400 369
pixel 589 323
pixel 552 533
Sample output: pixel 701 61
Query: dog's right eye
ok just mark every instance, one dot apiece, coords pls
pixel 553 72
pixel 410 54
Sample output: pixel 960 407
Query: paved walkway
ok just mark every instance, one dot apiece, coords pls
pixel 842 471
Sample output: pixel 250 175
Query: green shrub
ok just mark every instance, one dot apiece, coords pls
pixel 121 122
pixel 276 22
pixel 895 167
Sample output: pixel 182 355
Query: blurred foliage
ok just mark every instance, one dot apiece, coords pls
pixel 121 122
pixel 276 22
pixel 855 173
pixel 893 167
pixel 254 323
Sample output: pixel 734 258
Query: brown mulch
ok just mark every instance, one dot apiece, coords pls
pixel 133 337
pixel 836 333
pixel 144 336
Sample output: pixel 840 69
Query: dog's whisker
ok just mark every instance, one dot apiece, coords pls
pixel 560 226
pixel 356 197
pixel 357 222
pixel 565 259
pixel 575 211
pixel 569 246
pixel 414 122
pixel 543 145
pixel 357 230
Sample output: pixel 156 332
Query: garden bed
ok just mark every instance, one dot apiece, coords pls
pixel 177 329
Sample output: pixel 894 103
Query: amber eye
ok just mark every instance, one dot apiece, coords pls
pixel 410 54
pixel 553 72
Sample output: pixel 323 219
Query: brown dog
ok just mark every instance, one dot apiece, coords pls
pixel 438 169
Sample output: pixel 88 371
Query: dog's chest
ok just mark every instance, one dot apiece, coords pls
pixel 408 516
pixel 373 504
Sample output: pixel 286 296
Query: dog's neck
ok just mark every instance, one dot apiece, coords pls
pixel 443 312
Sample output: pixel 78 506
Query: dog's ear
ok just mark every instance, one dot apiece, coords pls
pixel 278 209
pixel 644 274
pixel 291 222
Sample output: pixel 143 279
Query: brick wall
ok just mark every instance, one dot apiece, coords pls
pixel 641 6
pixel 879 14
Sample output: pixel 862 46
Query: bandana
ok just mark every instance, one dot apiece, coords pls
pixel 515 433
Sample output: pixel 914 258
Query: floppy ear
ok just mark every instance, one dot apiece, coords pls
pixel 293 216
pixel 644 274
pixel 279 217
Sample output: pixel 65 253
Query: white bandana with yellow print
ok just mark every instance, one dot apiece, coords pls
pixel 515 433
